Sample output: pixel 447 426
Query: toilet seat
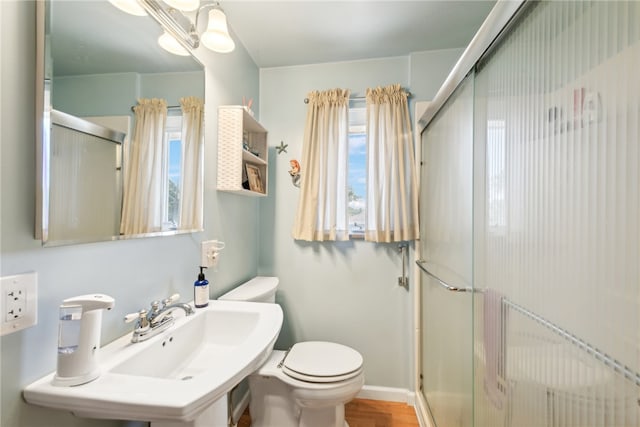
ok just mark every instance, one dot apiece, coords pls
pixel 322 362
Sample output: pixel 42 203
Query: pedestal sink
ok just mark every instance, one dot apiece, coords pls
pixel 175 377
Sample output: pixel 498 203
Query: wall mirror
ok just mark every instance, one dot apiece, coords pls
pixel 94 63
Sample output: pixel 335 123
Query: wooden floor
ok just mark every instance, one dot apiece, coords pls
pixel 368 413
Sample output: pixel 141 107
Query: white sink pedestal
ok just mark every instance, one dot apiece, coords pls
pixel 177 378
pixel 215 415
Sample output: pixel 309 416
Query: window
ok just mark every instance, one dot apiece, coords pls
pixel 496 175
pixel 357 178
pixel 172 172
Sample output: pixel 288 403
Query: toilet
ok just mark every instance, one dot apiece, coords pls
pixel 306 386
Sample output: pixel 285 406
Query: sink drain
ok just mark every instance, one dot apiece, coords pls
pixel 188 377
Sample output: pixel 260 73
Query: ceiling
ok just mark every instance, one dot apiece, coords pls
pixel 295 32
pixel 94 37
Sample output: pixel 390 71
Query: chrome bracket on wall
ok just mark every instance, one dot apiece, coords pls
pixel 173 21
pixel 403 280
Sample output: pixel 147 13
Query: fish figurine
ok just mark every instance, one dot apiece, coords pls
pixel 295 172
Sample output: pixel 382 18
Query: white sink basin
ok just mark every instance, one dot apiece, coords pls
pixel 175 375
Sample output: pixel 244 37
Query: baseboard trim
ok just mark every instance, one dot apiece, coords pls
pixel 389 394
pixel 423 413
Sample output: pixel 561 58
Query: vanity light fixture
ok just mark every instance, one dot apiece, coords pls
pixel 216 37
pixel 180 33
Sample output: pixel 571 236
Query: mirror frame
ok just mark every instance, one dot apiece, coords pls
pixel 43 111
pixel 43 119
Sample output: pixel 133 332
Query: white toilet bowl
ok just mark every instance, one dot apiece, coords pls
pixel 283 396
pixel 306 386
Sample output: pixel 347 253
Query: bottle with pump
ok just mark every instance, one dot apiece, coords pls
pixel 201 290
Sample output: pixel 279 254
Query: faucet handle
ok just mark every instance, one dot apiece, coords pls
pixel 142 314
pixel 170 300
pixel 155 306
pixel 131 317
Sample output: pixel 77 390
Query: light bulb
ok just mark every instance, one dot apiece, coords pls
pixel 171 45
pixel 217 36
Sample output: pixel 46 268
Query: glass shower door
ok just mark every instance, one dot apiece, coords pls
pixel 446 252
pixel 530 228
pixel 557 207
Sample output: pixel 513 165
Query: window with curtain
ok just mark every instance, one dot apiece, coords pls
pixel 326 205
pixel 163 168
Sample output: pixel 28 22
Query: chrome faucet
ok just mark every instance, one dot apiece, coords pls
pixel 151 323
pixel 157 318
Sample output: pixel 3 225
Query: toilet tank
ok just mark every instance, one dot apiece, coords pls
pixel 258 289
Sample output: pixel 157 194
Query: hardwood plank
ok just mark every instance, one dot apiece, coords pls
pixel 245 419
pixel 378 413
pixel 368 413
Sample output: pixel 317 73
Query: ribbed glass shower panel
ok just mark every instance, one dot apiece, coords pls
pixel 85 190
pixel 557 220
pixel 446 233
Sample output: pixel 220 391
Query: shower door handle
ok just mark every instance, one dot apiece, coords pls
pixel 441 282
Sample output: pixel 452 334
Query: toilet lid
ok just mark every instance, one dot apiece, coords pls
pixel 319 361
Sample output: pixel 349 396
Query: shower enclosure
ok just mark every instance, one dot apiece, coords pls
pixel 530 223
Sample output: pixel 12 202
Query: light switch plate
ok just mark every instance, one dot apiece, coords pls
pixel 18 302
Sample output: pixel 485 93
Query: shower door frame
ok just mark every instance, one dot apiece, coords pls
pixel 422 413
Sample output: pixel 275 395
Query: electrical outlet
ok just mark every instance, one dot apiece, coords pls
pixel 209 253
pixel 15 304
pixel 18 301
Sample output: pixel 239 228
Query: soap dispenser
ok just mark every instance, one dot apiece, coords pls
pixel 201 290
pixel 79 338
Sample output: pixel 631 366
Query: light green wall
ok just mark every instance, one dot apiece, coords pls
pixel 115 94
pixel 96 94
pixel 134 272
pixel 429 69
pixel 171 86
pixel 344 292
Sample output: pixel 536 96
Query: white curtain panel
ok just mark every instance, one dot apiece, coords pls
pixel 392 200
pixel 142 207
pixel 192 165
pixel 322 207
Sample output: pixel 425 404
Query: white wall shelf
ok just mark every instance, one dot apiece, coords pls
pixel 242 145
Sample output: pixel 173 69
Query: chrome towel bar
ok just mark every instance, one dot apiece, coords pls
pixel 586 347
